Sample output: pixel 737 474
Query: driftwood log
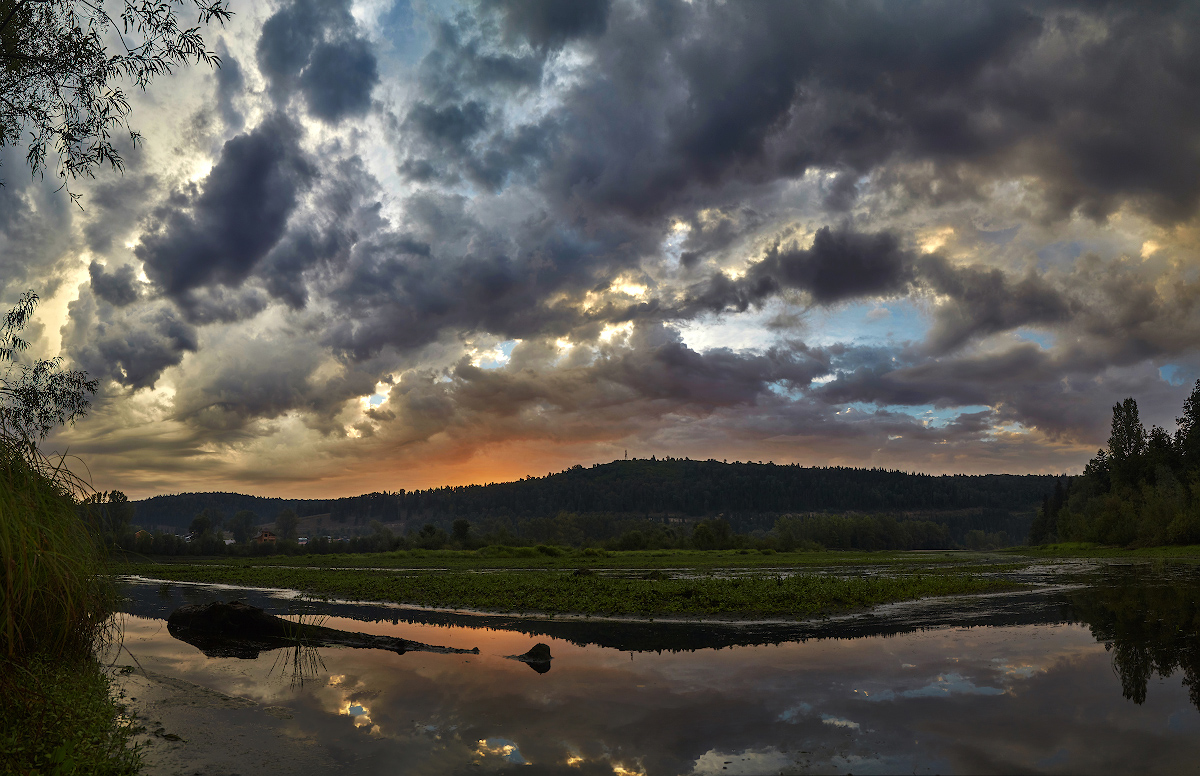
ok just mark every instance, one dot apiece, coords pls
pixel 237 629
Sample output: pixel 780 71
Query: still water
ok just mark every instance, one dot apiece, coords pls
pixel 1098 677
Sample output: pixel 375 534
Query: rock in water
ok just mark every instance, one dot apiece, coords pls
pixel 538 658
pixel 538 653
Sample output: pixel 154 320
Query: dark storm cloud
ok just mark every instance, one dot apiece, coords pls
pixel 654 365
pixel 117 205
pixel 681 99
pixel 230 83
pixel 454 131
pixel 840 265
pixel 448 272
pixel 131 345
pixel 263 379
pixel 843 265
pixel 987 301
pixel 218 233
pixel 549 23
pixel 119 287
pixel 343 209
pixel 1065 395
pixel 313 48
pixel 35 233
pixel 338 79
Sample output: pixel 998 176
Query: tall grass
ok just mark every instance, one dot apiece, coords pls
pixel 56 593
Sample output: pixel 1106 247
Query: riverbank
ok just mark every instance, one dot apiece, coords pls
pixel 552 557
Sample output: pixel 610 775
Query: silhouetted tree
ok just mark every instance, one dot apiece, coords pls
pixel 243 525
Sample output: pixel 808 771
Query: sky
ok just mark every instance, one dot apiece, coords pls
pixel 394 244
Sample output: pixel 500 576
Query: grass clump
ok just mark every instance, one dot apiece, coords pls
pixel 57 714
pixel 53 583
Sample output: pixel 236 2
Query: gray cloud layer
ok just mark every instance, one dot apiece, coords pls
pixel 602 180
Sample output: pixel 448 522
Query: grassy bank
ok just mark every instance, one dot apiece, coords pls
pixel 57 715
pixel 561 591
pixel 1089 550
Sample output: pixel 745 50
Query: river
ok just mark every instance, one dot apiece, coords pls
pixel 1101 675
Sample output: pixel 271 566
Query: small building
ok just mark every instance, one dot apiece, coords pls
pixel 265 537
pixel 303 540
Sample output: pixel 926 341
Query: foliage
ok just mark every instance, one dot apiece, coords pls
pixel 749 496
pixel 58 716
pixel 58 79
pixel 285 525
pixel 860 532
pixel 1143 490
pixel 37 396
pixel 112 515
pixel 242 526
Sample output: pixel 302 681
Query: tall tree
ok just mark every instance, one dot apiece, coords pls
pixel 1187 436
pixel 242 526
pixel 1126 444
pixel 285 525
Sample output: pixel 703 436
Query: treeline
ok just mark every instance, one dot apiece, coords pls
pixel 1143 489
pixel 748 494
pixel 787 533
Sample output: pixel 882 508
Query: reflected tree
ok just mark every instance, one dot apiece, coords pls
pixel 1150 627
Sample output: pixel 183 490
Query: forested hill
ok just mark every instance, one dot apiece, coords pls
pixel 645 487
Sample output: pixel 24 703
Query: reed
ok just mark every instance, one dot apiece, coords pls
pixel 57 595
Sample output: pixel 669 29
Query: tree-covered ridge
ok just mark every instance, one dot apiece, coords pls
pixel 642 488
pixel 1143 489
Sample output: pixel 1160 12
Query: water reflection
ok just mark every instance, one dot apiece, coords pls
pixel 1046 693
pixel 300 663
pixel 1150 622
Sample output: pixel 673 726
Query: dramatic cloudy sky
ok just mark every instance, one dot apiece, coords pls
pixel 395 244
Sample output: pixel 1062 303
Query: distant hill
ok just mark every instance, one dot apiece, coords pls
pixel 745 493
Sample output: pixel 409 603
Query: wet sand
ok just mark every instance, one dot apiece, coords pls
pixel 193 730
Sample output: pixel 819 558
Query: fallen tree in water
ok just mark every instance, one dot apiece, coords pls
pixel 237 629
